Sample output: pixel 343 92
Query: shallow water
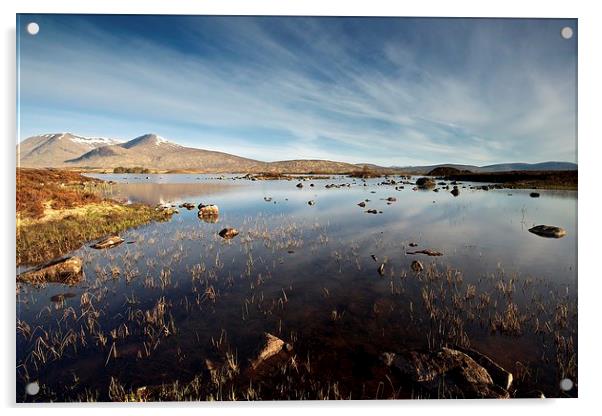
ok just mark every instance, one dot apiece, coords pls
pixel 306 274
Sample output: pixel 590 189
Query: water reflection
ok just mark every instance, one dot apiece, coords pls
pixel 295 266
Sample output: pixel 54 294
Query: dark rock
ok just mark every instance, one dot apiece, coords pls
pixel 299 185
pixel 426 251
pixel 455 192
pixel 312 202
pixel 548 231
pixel 228 233
pixel 413 244
pixel 362 204
pixel 446 373
pixel 372 211
pixel 534 194
pixel 425 183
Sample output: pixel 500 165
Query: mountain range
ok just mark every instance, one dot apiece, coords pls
pixel 67 150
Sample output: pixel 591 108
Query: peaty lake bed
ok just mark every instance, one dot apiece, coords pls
pixel 177 312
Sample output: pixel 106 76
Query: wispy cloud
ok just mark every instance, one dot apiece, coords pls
pixel 388 91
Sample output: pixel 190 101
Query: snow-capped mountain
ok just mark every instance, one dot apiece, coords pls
pixel 49 150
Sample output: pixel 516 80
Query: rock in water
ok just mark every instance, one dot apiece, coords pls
pixel 534 194
pixel 66 270
pixel 447 372
pixel 312 202
pixel 272 353
pixel 425 183
pixel 208 210
pixel 299 185
pixel 188 205
pixel 426 251
pixel 417 266
pixel 108 242
pixel 228 233
pixel 499 375
pixel 362 204
pixel 548 231
pixel 455 191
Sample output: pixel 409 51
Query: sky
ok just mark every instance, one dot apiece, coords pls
pixel 389 91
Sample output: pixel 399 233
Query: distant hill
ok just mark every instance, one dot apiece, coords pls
pixel 500 167
pixel 52 150
pixel 151 151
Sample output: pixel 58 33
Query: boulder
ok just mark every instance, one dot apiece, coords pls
pixel 534 194
pixel 362 204
pixel 108 242
pixel 447 372
pixel 548 231
pixel 312 202
pixel 425 183
pixel 499 375
pixel 208 210
pixel 228 233
pixel 299 185
pixel 455 192
pixel 66 270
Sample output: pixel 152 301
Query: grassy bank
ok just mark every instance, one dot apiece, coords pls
pixel 58 211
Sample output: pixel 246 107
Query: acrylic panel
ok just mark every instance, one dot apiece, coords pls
pixel 295 208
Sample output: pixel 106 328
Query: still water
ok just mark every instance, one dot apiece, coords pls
pixel 308 274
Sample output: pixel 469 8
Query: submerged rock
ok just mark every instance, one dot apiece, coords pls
pixel 108 242
pixel 228 233
pixel 66 270
pixel 534 194
pixel 447 372
pixel 455 191
pixel 548 231
pixel 362 204
pixel 416 266
pixel 391 199
pixel 299 185
pixel 312 202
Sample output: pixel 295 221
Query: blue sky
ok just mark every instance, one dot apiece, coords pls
pixel 391 91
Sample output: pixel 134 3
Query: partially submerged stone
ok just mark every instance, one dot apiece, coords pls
pixel 548 231
pixel 208 210
pixel 426 251
pixel 228 233
pixel 108 242
pixel 66 270
pixel 446 372
pixel 188 205
pixel 272 352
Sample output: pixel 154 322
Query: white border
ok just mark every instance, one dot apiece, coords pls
pixel 590 70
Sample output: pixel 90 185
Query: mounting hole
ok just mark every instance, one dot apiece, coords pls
pixel 32 388
pixel 566 32
pixel 566 384
pixel 33 28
